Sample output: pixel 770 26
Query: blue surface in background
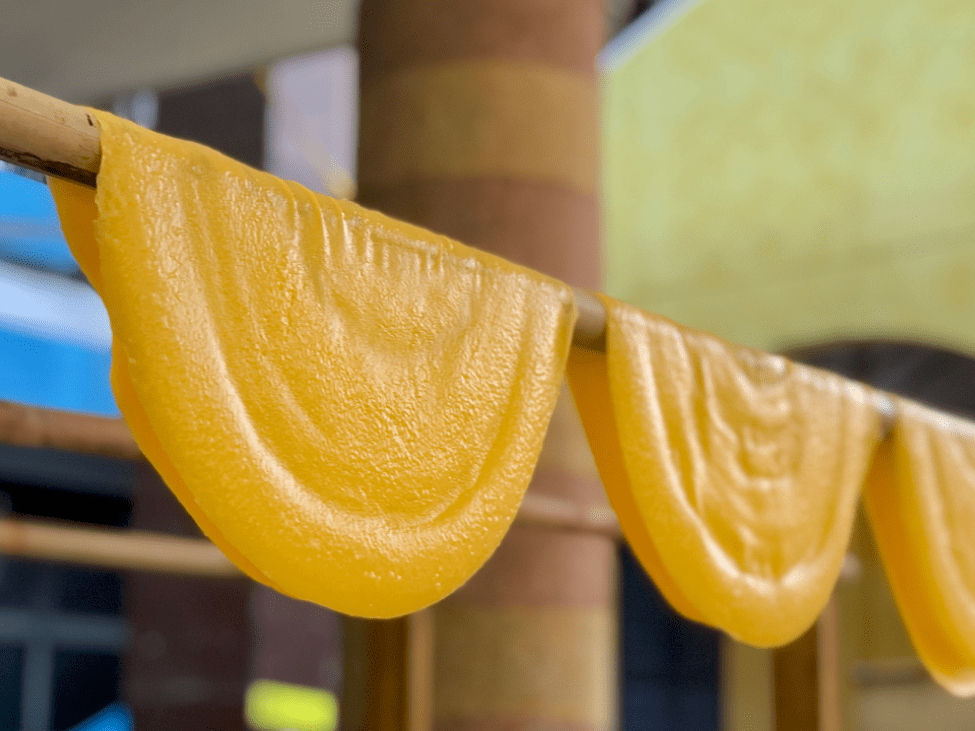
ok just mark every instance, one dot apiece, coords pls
pixel 115 717
pixel 23 197
pixel 35 369
pixel 55 375
pixel 24 200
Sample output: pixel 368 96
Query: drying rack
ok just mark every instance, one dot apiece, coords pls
pixel 53 137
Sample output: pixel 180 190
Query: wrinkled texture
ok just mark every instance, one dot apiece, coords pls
pixel 735 473
pixel 349 406
pixel 920 499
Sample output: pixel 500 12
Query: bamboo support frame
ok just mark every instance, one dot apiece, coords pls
pixel 30 426
pixel 114 549
pixel 53 137
pixel 57 138
pixel 145 551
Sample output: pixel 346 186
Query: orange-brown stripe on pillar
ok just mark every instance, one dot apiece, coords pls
pixel 479 120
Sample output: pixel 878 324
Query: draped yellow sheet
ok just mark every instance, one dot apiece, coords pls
pixel 920 499
pixel 350 407
pixel 735 473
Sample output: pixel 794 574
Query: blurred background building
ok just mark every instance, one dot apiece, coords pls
pixel 797 178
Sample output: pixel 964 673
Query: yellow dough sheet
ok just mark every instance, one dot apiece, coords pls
pixel 349 406
pixel 920 500
pixel 735 473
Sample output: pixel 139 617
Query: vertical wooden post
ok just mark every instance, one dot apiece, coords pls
pixel 387 684
pixel 479 120
pixel 828 639
pixel 419 668
pixel 796 674
pixel 807 678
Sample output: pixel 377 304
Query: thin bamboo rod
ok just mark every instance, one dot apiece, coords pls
pixel 56 138
pixel 130 550
pixel 48 135
pixel 560 514
pixel 115 549
pixel 30 426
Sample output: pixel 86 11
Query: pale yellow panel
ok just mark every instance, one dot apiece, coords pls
pixel 757 150
pixel 913 707
pixel 927 294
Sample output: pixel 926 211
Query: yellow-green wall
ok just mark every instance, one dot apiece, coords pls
pixel 783 173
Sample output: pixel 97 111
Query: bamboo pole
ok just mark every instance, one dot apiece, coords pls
pixel 115 549
pixel 56 138
pixel 47 135
pixel 30 426
pixel 544 511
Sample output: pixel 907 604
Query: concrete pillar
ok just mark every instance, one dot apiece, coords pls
pixel 479 120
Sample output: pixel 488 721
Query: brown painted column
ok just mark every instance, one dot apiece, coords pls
pixel 807 677
pixel 479 121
